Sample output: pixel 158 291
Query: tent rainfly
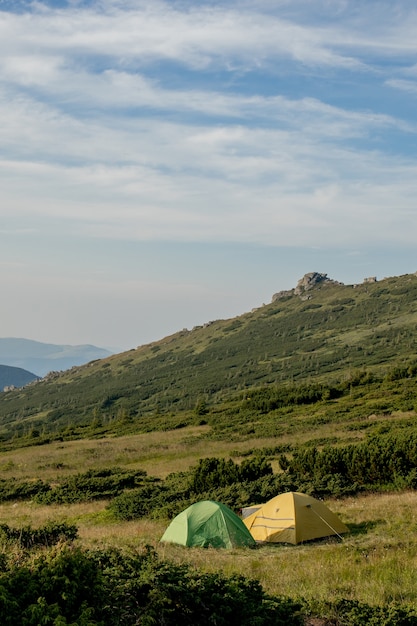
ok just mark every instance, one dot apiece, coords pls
pixel 293 518
pixel 208 523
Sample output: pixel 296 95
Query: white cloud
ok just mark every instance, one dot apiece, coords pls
pixel 198 36
pixel 403 85
pixel 273 123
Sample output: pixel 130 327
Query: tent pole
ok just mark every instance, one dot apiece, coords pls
pixel 325 521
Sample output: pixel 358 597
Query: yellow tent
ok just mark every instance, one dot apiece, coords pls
pixel 293 518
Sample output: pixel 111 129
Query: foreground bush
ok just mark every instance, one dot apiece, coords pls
pixel 147 590
pixel 59 588
pixel 69 586
pixel 354 613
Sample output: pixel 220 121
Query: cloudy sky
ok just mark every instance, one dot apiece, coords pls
pixel 164 164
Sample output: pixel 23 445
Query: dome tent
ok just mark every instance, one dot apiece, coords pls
pixel 208 523
pixel 293 518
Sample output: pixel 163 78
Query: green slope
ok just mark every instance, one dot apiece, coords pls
pixel 321 335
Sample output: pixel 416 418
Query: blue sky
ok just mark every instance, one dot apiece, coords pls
pixel 164 164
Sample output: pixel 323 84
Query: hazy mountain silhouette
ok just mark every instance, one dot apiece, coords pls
pixel 41 358
pixel 14 377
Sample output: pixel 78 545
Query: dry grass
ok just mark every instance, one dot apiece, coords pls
pixel 151 451
pixel 375 563
pixel 158 453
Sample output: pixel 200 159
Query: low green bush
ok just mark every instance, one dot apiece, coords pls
pixel 354 613
pixel 11 489
pixel 212 479
pixel 381 461
pixel 91 485
pixel 110 588
pixel 48 535
pixel 139 502
pixel 70 586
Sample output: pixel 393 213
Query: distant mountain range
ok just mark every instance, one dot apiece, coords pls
pixel 11 377
pixel 41 358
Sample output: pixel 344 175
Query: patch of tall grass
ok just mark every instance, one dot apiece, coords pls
pixel 375 563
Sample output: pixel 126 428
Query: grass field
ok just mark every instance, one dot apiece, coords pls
pixel 158 453
pixel 375 563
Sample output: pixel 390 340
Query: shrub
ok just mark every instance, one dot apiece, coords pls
pixel 139 502
pixel 111 588
pixel 91 485
pixel 60 588
pixel 354 613
pixel 212 479
pixel 145 590
pixel 11 489
pixel 379 461
pixel 48 535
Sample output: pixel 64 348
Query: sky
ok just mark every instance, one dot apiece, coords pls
pixel 168 163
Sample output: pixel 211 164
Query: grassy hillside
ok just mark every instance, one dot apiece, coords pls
pixel 314 392
pixel 326 337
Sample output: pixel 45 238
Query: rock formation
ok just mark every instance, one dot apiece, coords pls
pixel 306 283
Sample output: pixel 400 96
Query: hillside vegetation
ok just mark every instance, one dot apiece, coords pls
pixel 329 338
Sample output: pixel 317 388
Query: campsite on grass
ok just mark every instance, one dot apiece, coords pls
pixel 291 518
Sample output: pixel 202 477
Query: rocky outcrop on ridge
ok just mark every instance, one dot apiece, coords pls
pixel 311 280
pixel 306 283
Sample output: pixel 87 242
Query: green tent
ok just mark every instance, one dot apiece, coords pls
pixel 208 523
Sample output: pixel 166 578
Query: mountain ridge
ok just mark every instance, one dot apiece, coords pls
pixel 334 332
